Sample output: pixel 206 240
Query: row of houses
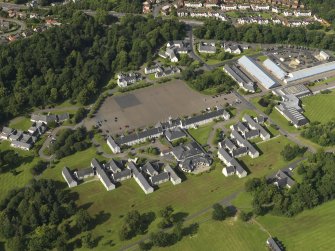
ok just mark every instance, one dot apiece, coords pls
pixel 240 77
pixel 113 172
pixel 23 140
pixel 238 145
pixel 48 118
pixel 126 79
pixel 160 128
pixel 160 71
pixel 204 13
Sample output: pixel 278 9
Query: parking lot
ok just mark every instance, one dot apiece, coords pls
pixel 146 107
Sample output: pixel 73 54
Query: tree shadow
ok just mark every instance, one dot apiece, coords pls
pixel 109 243
pixel 85 206
pixel 147 219
pixel 191 229
pixel 179 216
pixel 100 218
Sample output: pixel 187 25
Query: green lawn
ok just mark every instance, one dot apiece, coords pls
pixel 102 143
pixel 231 234
pixel 192 195
pixel 309 230
pixel 201 134
pixel 262 58
pixel 270 157
pixel 20 123
pixel 8 180
pixel 320 107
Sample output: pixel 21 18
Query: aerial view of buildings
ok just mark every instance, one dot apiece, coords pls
pixel 177 125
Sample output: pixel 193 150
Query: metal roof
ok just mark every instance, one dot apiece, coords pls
pixel 274 69
pixel 257 72
pixel 310 72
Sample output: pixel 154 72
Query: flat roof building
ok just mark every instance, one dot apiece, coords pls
pixel 257 72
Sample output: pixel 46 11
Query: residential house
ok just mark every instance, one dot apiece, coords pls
pixel 102 175
pixel 121 175
pixel 6 132
pixel 174 178
pixel 84 173
pixel 174 134
pixel 112 145
pixel 139 178
pixel 159 178
pixel 282 180
pixel 68 177
pixel 205 47
pixel 125 79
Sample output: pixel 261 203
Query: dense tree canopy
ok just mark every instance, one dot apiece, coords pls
pixel 73 61
pixel 30 217
pixel 316 187
pixel 322 134
pixel 265 34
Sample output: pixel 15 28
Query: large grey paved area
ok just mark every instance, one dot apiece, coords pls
pixel 146 107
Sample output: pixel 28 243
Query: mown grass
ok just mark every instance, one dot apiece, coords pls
pixel 20 123
pixel 309 230
pixel 202 133
pixel 320 107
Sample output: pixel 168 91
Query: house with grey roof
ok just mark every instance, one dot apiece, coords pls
pixel 22 145
pixel 273 245
pixel 204 118
pixel 256 126
pixel 174 134
pixel 149 169
pixel 174 178
pixel 253 153
pixel 228 144
pixel 153 69
pixel 239 152
pixel 6 132
pixel 240 77
pixel 63 117
pixel 139 178
pixel 228 171
pixel 16 136
pixel 101 173
pixel 186 151
pixel 113 166
pixel 125 79
pixel 139 137
pixel 251 134
pixel 112 145
pixel 174 48
pixel 159 178
pixel 281 180
pixel 224 156
pixel 84 173
pixel 190 164
pixel 205 47
pixel 122 175
pixel 167 71
pixel 68 177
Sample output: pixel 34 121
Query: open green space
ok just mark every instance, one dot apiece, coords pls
pixel 20 123
pixel 262 58
pixel 309 230
pixel 270 157
pixel 22 175
pixel 231 234
pixel 320 107
pixel 201 133
pixel 102 142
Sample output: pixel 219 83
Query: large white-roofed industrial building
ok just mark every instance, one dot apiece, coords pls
pixel 255 70
pixel 314 71
pixel 274 69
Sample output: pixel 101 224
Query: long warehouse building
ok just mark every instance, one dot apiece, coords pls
pixel 310 72
pixel 257 72
pixel 274 69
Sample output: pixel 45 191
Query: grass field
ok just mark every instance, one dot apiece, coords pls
pixel 201 134
pixel 310 230
pixel 102 143
pixel 8 180
pixel 231 234
pixel 193 194
pixel 20 123
pixel 320 107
